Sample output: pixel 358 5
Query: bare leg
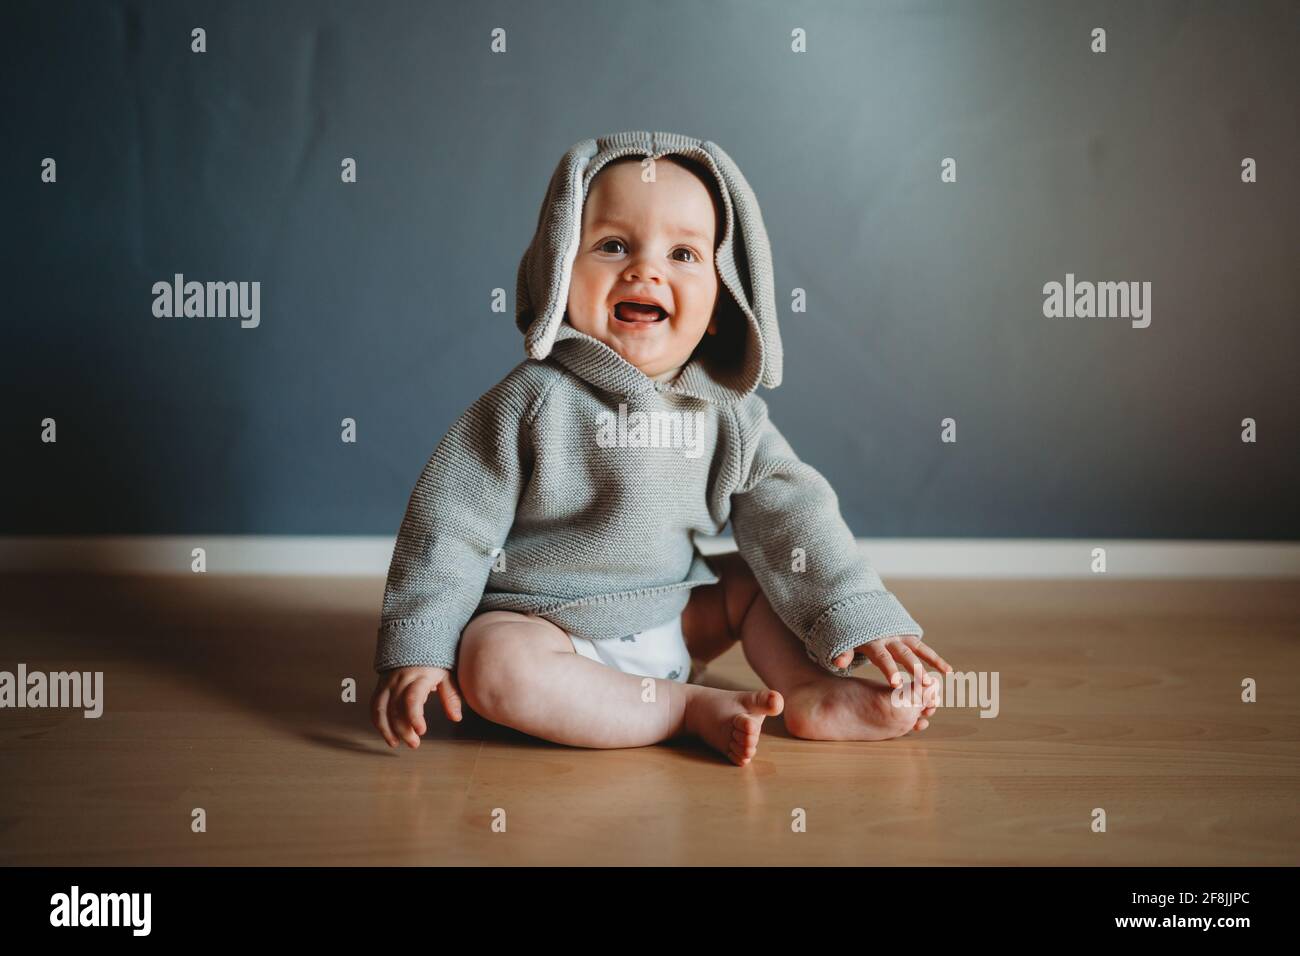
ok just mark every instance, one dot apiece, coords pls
pixel 521 671
pixel 819 705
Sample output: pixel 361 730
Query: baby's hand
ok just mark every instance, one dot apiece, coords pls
pixel 397 707
pixel 907 650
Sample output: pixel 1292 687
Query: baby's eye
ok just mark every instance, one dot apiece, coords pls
pixel 689 252
pixel 607 242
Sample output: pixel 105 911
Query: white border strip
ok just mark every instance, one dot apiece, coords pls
pixel 892 557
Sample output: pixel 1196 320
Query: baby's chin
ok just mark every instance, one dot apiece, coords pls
pixel 652 358
pixel 650 361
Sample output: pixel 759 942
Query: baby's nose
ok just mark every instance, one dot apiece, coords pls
pixel 641 270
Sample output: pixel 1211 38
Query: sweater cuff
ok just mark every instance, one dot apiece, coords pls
pixel 412 642
pixel 854 622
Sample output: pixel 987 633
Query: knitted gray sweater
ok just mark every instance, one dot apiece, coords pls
pixel 574 487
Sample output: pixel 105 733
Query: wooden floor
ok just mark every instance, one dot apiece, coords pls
pixel 224 693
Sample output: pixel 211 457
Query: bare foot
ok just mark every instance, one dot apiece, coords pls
pixel 851 708
pixel 730 721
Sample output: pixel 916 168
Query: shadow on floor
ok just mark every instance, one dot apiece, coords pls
pixel 299 639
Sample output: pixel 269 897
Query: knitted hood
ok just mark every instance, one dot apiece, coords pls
pixel 744 264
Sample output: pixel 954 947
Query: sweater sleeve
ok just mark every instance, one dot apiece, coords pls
pixel 460 512
pixel 788 527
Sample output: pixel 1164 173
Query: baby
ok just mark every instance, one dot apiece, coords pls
pixel 546 571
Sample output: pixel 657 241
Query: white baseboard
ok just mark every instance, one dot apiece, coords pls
pixel 892 557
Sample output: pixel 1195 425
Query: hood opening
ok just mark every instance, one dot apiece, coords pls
pixel 724 368
pixel 724 353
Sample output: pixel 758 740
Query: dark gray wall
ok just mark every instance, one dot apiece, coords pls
pixel 925 299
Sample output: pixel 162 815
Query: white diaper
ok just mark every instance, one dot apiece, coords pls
pixel 657 652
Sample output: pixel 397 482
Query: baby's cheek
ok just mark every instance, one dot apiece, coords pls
pixel 582 294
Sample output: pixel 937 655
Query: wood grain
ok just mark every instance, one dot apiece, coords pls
pixel 224 693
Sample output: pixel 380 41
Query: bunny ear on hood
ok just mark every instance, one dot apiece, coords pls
pixel 744 265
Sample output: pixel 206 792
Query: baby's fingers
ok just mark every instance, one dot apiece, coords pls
pixel 406 711
pixel 379 714
pixel 450 696
pixel 909 660
pixel 878 655
pixel 926 651
pixel 416 695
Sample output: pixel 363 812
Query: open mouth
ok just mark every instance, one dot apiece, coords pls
pixel 640 313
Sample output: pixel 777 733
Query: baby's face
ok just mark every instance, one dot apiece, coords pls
pixel 651 242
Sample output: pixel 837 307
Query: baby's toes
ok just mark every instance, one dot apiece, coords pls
pixel 746 727
pixel 744 737
pixel 921 724
pixel 741 752
pixel 767 703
